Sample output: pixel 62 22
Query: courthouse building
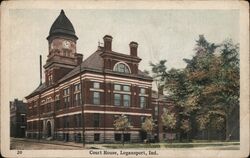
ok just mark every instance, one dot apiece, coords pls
pixel 83 98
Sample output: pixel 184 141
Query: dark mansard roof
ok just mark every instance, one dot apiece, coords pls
pixel 62 26
pixel 94 63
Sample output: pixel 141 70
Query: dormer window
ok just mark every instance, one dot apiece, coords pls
pixel 122 67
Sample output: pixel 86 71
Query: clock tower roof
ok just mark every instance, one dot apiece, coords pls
pixel 62 26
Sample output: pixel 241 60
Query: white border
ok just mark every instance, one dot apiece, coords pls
pixel 223 5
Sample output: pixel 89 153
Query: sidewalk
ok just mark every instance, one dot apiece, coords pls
pixel 55 142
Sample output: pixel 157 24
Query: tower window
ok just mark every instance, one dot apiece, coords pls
pixel 50 79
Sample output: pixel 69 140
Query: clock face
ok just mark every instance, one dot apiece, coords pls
pixel 66 44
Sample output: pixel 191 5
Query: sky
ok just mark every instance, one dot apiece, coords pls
pixel 161 34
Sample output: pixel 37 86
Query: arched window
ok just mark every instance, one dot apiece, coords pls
pixel 122 67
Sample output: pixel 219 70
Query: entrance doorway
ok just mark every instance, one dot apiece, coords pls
pixel 143 135
pixel 48 129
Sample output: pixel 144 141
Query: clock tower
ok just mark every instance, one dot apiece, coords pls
pixel 62 57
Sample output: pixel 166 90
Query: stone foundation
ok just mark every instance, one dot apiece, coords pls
pixel 92 136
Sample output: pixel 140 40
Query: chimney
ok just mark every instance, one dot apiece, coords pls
pixel 40 69
pixel 107 42
pixel 79 58
pixel 133 48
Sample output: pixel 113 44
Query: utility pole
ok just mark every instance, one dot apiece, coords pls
pixel 82 108
pixel 39 101
pixel 158 112
pixel 40 70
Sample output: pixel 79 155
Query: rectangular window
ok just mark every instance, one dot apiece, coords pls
pixel 142 90
pixel 35 111
pixel 117 87
pixel 50 79
pixel 60 122
pixel 126 137
pixel 96 120
pixel 22 118
pixel 41 124
pixel 48 107
pixel 126 88
pixel 143 102
pixel 66 97
pixel 142 119
pixel 77 120
pixel 77 87
pixel 96 85
pixel 64 122
pixel 126 100
pixel 35 124
pixel 96 98
pixel 156 111
pixel 57 104
pixel 117 99
pixel 118 137
pixel 66 102
pixel 77 99
pixel 42 109
pixel 66 91
pixel 164 109
pixel 97 137
pixel 67 121
pixel 129 119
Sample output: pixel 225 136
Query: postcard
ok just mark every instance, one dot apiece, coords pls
pixel 125 79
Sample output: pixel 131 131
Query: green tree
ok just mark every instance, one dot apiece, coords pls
pixel 148 125
pixel 213 78
pixel 177 87
pixel 169 120
pixel 206 91
pixel 159 74
pixel 185 126
pixel 122 123
pixel 201 70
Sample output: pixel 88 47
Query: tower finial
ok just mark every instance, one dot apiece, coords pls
pixel 62 11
